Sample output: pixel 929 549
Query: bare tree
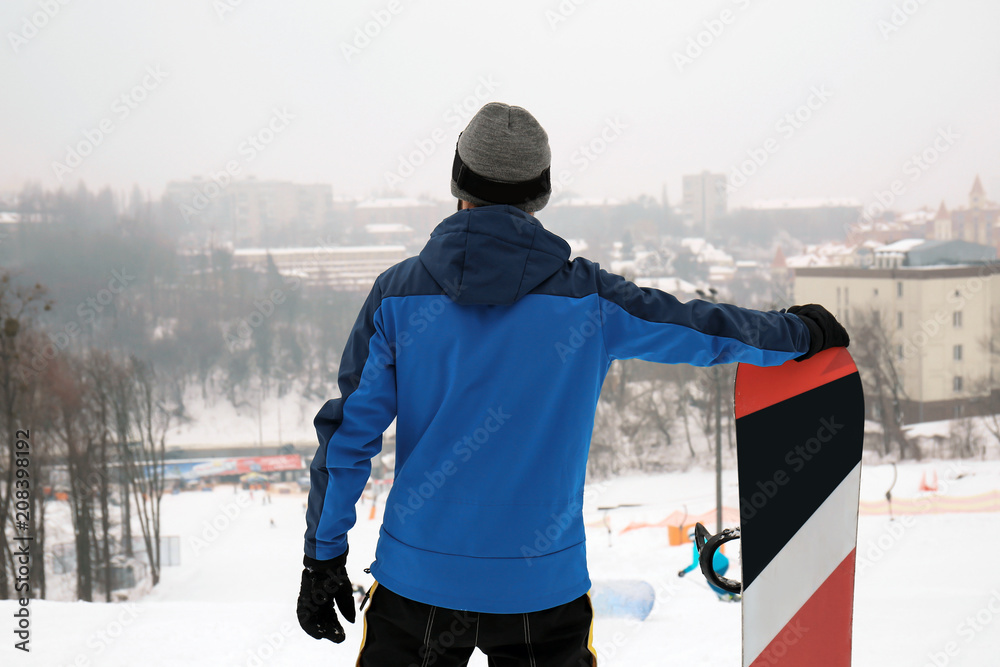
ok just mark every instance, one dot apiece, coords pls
pixel 144 459
pixel 875 352
pixel 101 372
pixel 76 434
pixel 685 401
pixel 965 441
pixel 19 306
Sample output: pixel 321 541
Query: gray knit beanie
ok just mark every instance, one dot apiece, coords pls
pixel 503 157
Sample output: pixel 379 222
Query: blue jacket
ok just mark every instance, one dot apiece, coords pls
pixel 490 349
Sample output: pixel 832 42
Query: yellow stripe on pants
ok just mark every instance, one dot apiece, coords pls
pixel 590 637
pixel 364 631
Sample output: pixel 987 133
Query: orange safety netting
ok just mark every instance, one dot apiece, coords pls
pixel 679 532
pixel 934 504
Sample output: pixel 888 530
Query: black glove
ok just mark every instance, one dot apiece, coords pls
pixel 325 582
pixel 824 329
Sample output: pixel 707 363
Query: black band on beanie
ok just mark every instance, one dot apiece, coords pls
pixel 497 191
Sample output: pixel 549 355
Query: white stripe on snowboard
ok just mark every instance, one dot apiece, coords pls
pixel 801 567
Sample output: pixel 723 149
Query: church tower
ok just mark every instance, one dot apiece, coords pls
pixel 942 224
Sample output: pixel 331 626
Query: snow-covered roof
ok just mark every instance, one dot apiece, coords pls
pixel 824 254
pixel 938 429
pixel 388 228
pixel 315 250
pixel 792 204
pixel 906 245
pixel 706 252
pixel 671 284
pixel 584 201
pixel 918 216
pixel 394 202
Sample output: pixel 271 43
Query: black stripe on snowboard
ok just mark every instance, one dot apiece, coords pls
pixel 792 455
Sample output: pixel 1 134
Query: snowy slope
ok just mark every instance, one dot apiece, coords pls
pixel 924 587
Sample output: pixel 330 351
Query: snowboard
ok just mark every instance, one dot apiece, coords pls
pixel 626 598
pixel 799 436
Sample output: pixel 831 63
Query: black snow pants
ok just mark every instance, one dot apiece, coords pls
pixel 400 632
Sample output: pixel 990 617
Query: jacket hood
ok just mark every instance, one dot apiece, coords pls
pixel 492 255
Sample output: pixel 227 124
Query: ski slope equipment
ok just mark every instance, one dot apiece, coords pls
pixel 626 598
pixel 707 544
pixel 799 435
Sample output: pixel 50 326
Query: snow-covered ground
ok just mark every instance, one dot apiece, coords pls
pixel 928 587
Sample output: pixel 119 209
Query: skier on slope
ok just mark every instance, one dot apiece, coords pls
pixel 489 349
pixel 719 563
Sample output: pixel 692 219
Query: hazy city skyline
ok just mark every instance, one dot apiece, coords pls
pixel 788 100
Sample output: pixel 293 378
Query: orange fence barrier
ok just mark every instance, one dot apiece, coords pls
pixel 678 533
pixel 932 504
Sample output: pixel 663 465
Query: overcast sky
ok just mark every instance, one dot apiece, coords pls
pixel 200 77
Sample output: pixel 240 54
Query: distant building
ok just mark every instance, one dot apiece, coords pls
pixel 934 301
pixel 808 220
pixel 339 267
pixel 419 215
pixel 831 253
pixel 890 227
pixel 976 223
pixel 705 200
pixel 251 212
pixel 781 278
pixel 391 233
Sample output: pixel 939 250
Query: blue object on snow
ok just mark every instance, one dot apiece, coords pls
pixel 622 598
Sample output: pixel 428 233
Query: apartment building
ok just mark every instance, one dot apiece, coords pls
pixel 705 199
pixel 937 303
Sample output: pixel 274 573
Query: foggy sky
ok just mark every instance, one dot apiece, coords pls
pixel 213 73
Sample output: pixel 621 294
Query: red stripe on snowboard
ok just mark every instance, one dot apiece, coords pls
pixel 767 386
pixel 819 635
